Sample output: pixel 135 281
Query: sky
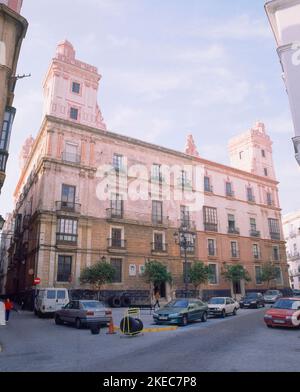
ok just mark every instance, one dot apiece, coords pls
pixel 169 68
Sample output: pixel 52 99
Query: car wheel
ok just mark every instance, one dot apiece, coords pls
pixel 185 320
pixel 35 312
pixel 40 314
pixel 204 317
pixel 58 320
pixel 269 326
pixel 78 324
pixel 235 312
pixel 223 313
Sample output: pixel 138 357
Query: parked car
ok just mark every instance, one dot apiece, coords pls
pixel 182 311
pixel 83 313
pixel 49 300
pixel 285 313
pixel 252 300
pixel 271 296
pixel 222 306
pixel 296 293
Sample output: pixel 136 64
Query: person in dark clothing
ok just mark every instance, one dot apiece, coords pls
pixel 8 308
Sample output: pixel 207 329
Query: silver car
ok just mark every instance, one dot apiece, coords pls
pixel 83 313
pixel 271 296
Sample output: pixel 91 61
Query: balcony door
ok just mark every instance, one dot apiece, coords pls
pixel 68 197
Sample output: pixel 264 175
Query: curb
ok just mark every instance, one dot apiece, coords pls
pixel 154 330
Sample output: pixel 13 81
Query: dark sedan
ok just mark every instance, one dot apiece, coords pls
pixel 252 300
pixel 181 311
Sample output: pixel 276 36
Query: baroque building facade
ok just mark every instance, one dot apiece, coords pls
pixel 86 194
pixel 291 227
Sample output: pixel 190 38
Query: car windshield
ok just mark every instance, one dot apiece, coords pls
pixel 92 305
pixel 272 292
pixel 216 301
pixel 287 304
pixel 178 304
pixel 251 295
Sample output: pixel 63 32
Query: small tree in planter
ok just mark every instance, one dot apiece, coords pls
pixel 98 275
pixel 235 273
pixel 155 274
pixel 198 275
pixel 269 272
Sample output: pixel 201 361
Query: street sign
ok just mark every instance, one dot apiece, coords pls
pixel 37 281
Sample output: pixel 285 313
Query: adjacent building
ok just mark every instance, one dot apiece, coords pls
pixel 291 227
pixel 13 29
pixel 284 16
pixel 86 194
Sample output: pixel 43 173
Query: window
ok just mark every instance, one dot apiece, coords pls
pixel 117 205
pixel 185 216
pixel 64 269
pixel 276 254
pixel 231 224
pixel 269 199
pixel 212 249
pixel 263 153
pixel 116 238
pixel 250 195
pixel 279 279
pixel 51 294
pixel 213 274
pixel 210 217
pixel 76 88
pixel 253 228
pixel 184 181
pixel 234 250
pixel 74 114
pixel 258 273
pixel 274 228
pixel 156 173
pixel 241 155
pixel 256 253
pixel 71 153
pixel 157 212
pixel 61 294
pixel 266 172
pixel 68 197
pixel 229 191
pixel 159 244
pixel 118 162
pixel 6 128
pixel 117 264
pixel 191 243
pixel 207 185
pixel 67 230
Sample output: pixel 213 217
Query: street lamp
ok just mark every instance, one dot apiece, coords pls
pixel 2 221
pixel 185 240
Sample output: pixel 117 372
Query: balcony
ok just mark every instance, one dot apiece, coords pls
pixel 251 199
pixel 275 236
pixel 211 227
pixel 257 256
pixel 26 222
pixel 66 239
pixel 212 252
pixel 233 230
pixel 230 194
pixel 255 234
pixel 66 206
pixel 293 256
pixel 191 250
pixel 159 247
pixel 235 255
pixel 186 224
pixel 71 158
pixel 136 217
pixel 208 189
pixel 3 160
pixel 116 244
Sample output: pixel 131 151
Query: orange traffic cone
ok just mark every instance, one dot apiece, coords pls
pixel 111 328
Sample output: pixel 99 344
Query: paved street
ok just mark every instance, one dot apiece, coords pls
pixel 241 343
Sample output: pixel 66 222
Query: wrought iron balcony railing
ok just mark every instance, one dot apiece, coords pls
pixel 115 243
pixel 67 206
pixel 159 247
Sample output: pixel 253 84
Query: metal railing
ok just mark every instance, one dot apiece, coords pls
pixel 67 206
pixel 233 230
pixel 255 233
pixel 66 238
pixel 116 243
pixel 275 236
pixel 211 227
pixel 159 247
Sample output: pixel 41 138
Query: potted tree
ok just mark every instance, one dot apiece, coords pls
pixel 98 275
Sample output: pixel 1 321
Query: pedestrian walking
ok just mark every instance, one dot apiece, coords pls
pixel 8 308
pixel 2 314
pixel 157 298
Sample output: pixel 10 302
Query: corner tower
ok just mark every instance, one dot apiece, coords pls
pixel 252 152
pixel 71 88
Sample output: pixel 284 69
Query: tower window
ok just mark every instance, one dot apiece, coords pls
pixel 263 153
pixel 74 114
pixel 241 155
pixel 266 172
pixel 76 88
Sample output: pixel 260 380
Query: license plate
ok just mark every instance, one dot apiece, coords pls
pixel 163 318
pixel 279 321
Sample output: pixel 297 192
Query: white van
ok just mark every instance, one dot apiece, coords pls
pixel 48 301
